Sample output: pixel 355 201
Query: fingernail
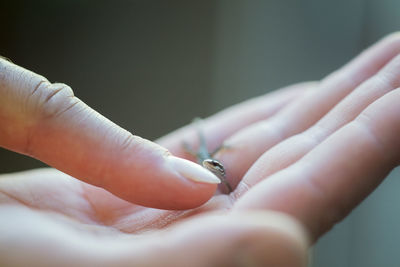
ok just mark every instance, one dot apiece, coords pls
pixel 192 171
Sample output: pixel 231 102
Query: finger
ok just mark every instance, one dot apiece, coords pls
pixel 48 122
pixel 327 183
pixel 243 239
pixel 223 124
pixel 292 149
pixel 250 143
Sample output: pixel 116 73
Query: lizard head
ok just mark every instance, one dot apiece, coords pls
pixel 215 167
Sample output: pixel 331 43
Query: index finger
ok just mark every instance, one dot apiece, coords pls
pixel 46 121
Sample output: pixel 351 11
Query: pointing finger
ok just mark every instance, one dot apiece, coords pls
pixel 46 121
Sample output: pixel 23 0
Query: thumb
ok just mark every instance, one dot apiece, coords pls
pixel 46 121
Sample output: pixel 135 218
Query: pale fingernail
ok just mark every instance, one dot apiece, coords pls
pixel 192 171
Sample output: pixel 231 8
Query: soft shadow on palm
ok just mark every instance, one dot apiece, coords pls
pixel 50 192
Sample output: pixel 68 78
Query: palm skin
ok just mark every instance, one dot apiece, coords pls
pixel 49 190
pixel 42 201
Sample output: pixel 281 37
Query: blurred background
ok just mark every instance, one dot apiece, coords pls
pixel 151 66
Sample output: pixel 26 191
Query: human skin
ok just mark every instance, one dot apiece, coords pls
pixel 300 160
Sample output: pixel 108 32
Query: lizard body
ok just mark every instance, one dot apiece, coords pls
pixel 205 158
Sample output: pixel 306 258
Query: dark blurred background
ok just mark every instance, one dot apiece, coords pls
pixel 152 66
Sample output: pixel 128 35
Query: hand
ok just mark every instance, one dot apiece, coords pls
pixel 316 183
pixel 46 121
pixel 320 155
pixel 52 219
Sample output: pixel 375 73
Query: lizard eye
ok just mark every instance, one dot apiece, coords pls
pixel 214 163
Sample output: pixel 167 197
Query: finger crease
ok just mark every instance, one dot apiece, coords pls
pixel 67 108
pixel 37 86
pixel 53 93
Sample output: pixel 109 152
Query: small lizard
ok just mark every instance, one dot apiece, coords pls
pixel 205 158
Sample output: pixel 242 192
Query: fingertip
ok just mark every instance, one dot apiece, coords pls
pixel 192 171
pixel 392 37
pixel 196 185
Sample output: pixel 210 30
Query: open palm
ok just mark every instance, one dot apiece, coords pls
pixel 312 151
